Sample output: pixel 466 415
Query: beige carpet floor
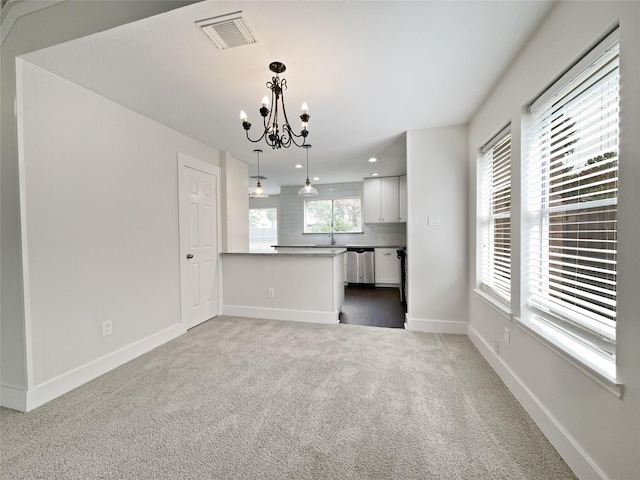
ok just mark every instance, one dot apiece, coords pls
pixel 239 398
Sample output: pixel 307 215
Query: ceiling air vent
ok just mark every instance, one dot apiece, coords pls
pixel 227 31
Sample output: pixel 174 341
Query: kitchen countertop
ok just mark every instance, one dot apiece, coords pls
pixel 335 251
pixel 339 245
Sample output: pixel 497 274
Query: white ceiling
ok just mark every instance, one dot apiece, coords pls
pixel 369 71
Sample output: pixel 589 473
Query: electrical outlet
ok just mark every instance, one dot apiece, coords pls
pixel 496 347
pixel 271 293
pixel 507 336
pixel 107 328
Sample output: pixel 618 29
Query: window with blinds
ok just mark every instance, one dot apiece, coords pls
pixel 494 216
pixel 572 200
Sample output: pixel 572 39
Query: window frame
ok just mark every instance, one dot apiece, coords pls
pixel 569 327
pixel 494 157
pixel 332 223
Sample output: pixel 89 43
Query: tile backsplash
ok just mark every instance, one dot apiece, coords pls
pixel 291 220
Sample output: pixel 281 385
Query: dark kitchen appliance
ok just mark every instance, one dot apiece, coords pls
pixel 402 255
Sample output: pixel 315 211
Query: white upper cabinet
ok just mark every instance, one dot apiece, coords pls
pixel 402 198
pixel 389 199
pixel 372 204
pixel 381 197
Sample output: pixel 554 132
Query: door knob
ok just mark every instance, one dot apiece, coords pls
pixel 189 256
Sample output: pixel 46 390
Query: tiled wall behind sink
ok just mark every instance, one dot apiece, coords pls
pixel 291 219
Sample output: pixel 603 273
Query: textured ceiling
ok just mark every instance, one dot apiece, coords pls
pixel 369 71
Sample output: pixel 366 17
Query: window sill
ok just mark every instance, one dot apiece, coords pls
pixel 502 309
pixel 599 369
pixel 335 233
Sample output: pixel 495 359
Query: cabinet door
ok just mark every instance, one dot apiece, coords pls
pixel 345 268
pixel 372 202
pixel 387 269
pixel 389 196
pixel 402 198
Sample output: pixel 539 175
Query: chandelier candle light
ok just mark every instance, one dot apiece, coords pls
pixel 307 190
pixel 276 135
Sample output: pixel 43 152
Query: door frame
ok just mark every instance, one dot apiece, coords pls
pixel 185 161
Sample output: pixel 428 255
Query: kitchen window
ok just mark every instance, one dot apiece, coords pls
pixel 494 216
pixel 342 215
pixel 572 187
pixel 263 229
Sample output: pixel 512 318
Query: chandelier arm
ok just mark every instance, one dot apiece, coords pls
pixel 293 134
pixel 287 133
pixel 275 125
pixel 292 138
pixel 266 122
pixel 290 130
pixel 254 141
pixel 304 142
pixel 286 138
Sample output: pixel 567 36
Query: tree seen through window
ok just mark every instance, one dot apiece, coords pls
pixel 340 214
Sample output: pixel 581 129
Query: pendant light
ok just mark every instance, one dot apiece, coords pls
pixel 258 192
pixel 307 190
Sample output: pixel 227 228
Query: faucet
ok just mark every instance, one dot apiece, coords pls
pixel 333 240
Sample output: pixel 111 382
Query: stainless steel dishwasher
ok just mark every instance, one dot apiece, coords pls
pixel 360 266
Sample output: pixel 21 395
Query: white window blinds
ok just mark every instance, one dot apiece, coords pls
pixel 572 200
pixel 495 216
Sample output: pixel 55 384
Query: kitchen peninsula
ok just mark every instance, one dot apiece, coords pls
pixel 306 285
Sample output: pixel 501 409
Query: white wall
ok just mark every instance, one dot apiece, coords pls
pixel 99 211
pixel 273 201
pixel 235 204
pixel 437 254
pixel 307 288
pixel 26 26
pixel 597 433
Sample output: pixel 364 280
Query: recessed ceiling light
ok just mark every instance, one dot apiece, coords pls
pixel 373 160
pixel 374 174
pixel 299 166
pixel 316 178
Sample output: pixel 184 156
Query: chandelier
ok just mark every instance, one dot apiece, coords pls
pixel 275 134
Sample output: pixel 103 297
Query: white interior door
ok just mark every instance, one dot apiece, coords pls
pixel 198 242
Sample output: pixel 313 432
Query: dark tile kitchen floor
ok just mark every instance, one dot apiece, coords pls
pixel 376 307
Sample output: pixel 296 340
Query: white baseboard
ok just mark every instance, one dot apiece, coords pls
pixel 282 314
pixel 435 326
pixel 577 459
pixel 13 398
pixel 66 382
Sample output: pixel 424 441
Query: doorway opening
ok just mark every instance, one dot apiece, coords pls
pixel 372 306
